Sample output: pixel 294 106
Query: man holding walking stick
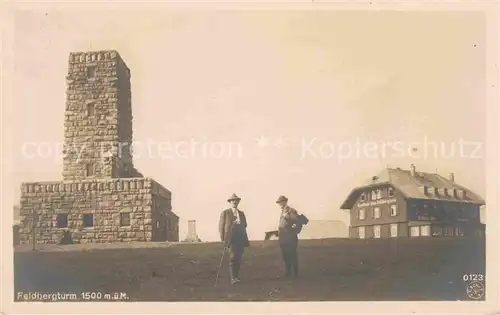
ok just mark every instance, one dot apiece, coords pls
pixel 232 229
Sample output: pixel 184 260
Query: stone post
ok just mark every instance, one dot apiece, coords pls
pixel 192 237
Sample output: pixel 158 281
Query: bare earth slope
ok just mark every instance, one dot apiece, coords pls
pixel 331 269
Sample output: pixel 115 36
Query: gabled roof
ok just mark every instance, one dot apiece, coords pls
pixel 414 187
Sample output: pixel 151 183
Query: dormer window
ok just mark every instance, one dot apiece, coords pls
pixel 446 191
pixel 363 196
pixel 376 194
pixel 436 191
pixel 426 190
pixel 390 192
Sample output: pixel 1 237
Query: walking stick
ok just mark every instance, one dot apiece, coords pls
pixel 220 265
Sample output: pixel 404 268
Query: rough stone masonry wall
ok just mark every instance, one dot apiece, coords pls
pixel 165 222
pixel 106 199
pixel 87 137
pixel 125 117
pixel 98 121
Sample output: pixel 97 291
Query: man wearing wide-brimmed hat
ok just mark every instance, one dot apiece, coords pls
pixel 290 225
pixel 232 228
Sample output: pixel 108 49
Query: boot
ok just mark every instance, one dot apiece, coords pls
pixel 233 274
pixel 288 268
pixel 237 272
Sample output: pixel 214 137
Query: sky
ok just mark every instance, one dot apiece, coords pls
pixel 276 98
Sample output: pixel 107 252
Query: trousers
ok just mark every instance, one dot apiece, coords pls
pixel 235 254
pixel 290 257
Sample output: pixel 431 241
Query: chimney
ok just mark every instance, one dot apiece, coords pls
pixel 452 177
pixel 412 170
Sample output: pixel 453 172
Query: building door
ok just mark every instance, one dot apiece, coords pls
pixel 448 231
pixel 425 230
pixel 415 231
pixel 361 232
pixel 159 231
pixel 166 233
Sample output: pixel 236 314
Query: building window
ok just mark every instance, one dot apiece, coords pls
pixel 157 224
pixel 91 71
pixel 390 192
pixel 394 210
pixel 62 221
pixel 361 214
pixel 459 231
pixel 363 197
pixel 448 231
pixel 425 230
pixel 91 109
pixel 89 170
pixel 361 232
pixel 376 212
pixel 376 194
pixel 88 220
pixel 376 231
pixel 124 219
pixel 414 231
pixel 394 230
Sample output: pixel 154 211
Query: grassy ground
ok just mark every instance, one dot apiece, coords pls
pixel 331 269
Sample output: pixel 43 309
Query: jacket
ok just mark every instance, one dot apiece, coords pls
pixel 228 233
pixel 290 225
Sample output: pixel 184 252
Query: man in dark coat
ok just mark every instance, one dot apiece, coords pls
pixel 232 229
pixel 290 225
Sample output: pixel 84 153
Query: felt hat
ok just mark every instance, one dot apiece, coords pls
pixel 233 197
pixel 281 198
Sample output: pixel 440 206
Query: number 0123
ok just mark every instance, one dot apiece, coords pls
pixel 473 277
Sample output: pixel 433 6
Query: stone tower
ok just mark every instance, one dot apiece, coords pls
pixel 192 236
pixel 102 197
pixel 98 120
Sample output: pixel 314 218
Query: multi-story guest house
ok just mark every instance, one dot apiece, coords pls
pixel 402 203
